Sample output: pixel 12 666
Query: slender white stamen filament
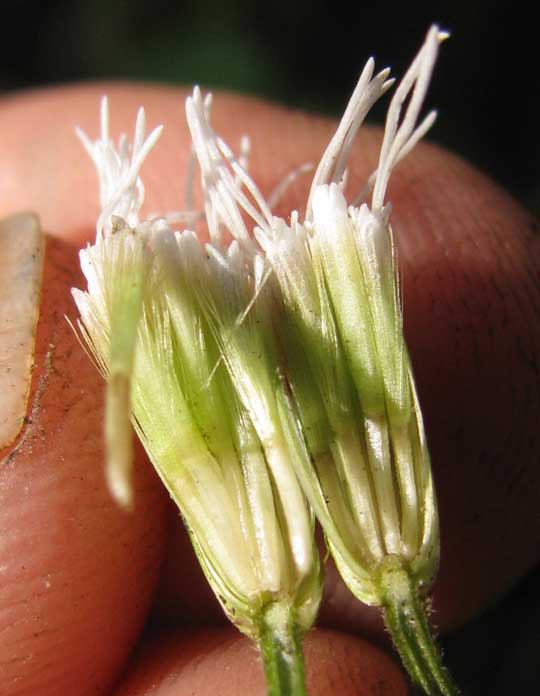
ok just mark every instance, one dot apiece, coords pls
pixel 278 192
pixel 395 138
pixel 121 189
pixel 104 119
pixel 416 136
pixel 367 91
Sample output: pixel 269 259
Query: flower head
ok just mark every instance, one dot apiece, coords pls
pixel 348 405
pixel 159 308
pixel 360 445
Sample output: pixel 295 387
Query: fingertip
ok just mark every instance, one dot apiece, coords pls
pixel 221 661
pixel 77 573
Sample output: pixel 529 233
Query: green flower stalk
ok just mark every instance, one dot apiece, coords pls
pixel 161 319
pixel 348 405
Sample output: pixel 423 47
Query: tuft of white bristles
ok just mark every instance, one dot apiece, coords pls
pixel 332 166
pixel 121 191
pixel 400 137
pixel 223 178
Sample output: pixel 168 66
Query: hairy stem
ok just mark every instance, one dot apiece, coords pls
pixel 281 647
pixel 406 618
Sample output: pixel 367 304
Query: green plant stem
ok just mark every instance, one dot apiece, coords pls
pixel 281 647
pixel 406 618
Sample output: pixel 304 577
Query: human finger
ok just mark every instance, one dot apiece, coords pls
pixel 209 661
pixel 465 248
pixel 76 573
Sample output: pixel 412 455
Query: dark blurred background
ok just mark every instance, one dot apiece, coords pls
pixel 306 53
pixel 309 54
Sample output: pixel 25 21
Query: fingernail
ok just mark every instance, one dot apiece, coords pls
pixel 21 263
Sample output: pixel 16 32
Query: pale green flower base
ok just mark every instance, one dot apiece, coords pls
pixel 405 615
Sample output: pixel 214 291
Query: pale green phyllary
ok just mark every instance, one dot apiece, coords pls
pixel 268 377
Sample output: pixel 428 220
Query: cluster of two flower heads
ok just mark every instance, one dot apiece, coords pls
pixel 268 377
